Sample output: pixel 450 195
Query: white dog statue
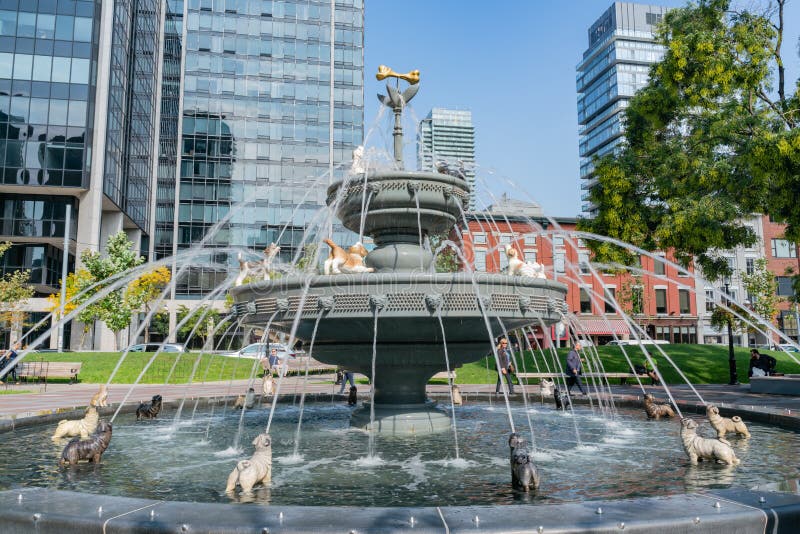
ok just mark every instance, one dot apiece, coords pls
pixel 80 427
pixel 546 387
pixel 258 468
pixel 457 400
pixel 723 425
pixel 700 448
pixel 261 268
pixel 523 268
pixel 267 385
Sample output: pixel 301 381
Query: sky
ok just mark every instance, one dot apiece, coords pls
pixel 512 63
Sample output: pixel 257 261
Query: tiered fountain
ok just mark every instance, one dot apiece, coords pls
pixel 403 298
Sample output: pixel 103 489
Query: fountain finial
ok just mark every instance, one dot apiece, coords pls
pixel 397 101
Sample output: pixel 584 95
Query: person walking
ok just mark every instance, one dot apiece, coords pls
pixel 8 357
pixel 506 367
pixel 347 376
pixel 574 369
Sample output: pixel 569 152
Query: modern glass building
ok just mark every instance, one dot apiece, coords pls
pixel 77 116
pixel 264 109
pixel 615 65
pixel 447 135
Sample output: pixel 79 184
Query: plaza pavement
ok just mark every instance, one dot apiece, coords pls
pixel 58 397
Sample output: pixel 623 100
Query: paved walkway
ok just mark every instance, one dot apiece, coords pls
pixel 62 397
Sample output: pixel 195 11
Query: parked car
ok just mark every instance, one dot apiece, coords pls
pixel 260 350
pixel 787 347
pixel 154 347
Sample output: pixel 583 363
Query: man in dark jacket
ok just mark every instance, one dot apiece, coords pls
pixel 574 369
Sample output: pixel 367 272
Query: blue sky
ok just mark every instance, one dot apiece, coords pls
pixel 512 63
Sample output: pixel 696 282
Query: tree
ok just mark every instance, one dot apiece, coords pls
pixel 308 261
pixel 447 260
pixel 145 289
pixel 114 309
pixel 76 281
pixel 762 287
pixel 203 320
pixel 711 139
pixel 14 292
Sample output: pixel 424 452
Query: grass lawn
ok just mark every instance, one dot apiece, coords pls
pixel 702 364
pixel 97 366
pixel 14 391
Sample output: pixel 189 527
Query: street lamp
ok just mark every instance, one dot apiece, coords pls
pixel 734 381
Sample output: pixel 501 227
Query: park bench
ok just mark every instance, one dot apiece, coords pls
pixel 623 377
pixel 445 376
pixel 42 371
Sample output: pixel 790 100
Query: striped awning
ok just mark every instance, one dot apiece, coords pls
pixel 604 327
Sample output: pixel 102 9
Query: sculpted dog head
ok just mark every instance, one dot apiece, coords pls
pixel 514 440
pixel 262 441
pixel 511 252
pixel 689 424
pixel 359 249
pixel 712 410
pixel 648 396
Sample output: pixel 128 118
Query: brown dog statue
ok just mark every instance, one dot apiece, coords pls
pixel 351 261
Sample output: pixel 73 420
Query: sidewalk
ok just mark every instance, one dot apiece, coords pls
pixel 63 397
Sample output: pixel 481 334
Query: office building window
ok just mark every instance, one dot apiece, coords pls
pixel 661 301
pixel 683 299
pixel 530 255
pixel 611 293
pixel 586 302
pixel 750 265
pixel 659 267
pixel 782 248
pixel 583 262
pixel 710 300
pixel 785 288
pixel 480 260
pixel 480 238
pixel 558 262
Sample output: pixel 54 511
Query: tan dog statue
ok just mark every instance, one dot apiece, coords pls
pixel 655 410
pixel 258 468
pixel 723 425
pixel 523 268
pixel 699 448
pixel 352 261
pixel 101 397
pixel 261 268
pixel 80 427
pixel 246 401
pixel 268 385
pixel 457 400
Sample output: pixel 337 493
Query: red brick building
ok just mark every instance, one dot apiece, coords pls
pixel 783 262
pixel 660 301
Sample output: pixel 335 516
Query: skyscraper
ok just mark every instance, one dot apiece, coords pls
pixel 256 106
pixel 616 64
pixel 447 135
pixel 77 116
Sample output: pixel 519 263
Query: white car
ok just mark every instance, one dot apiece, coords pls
pixel 787 347
pixel 260 350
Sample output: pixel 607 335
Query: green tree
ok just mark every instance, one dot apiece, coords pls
pixel 203 320
pixel 145 289
pixel 114 310
pixel 762 287
pixel 447 260
pixel 14 293
pixel 710 140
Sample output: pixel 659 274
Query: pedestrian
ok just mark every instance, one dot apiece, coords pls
pixel 764 363
pixel 506 366
pixel 651 371
pixel 347 376
pixel 574 369
pixel 8 358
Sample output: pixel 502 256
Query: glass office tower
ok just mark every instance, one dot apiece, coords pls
pixel 616 65
pixel 253 112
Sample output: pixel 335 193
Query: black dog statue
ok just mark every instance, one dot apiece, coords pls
pixel 352 398
pixel 149 410
pixel 562 399
pixel 524 475
pixel 91 449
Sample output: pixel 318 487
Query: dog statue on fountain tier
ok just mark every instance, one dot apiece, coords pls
pixel 524 476
pixel 699 448
pixel 91 449
pixel 80 427
pixel 246 401
pixel 351 261
pixel 101 397
pixel 723 425
pixel 258 468
pixel 655 410
pixel 546 387
pixel 261 268
pixel 523 268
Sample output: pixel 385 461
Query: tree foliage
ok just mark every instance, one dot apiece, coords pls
pixel 14 292
pixel 710 140
pixel 762 287
pixel 447 259
pixel 202 320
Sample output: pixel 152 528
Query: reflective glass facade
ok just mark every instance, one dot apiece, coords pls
pixel 615 66
pixel 254 121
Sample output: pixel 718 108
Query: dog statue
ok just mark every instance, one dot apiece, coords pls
pixel 256 268
pixel 91 449
pixel 523 268
pixel 246 401
pixel 456 392
pixel 724 425
pixel 656 411
pixel 101 397
pixel 149 410
pixel 267 385
pixel 524 475
pixel 546 387
pixel 562 399
pixel 352 261
pixel 352 397
pixel 258 468
pixel 80 427
pixel 700 448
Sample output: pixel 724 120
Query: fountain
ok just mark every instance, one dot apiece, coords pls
pixel 385 324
